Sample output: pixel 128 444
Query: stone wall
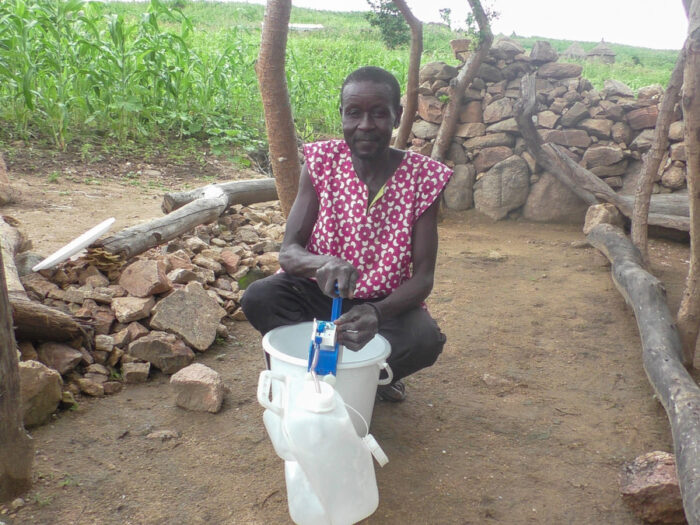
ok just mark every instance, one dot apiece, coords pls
pixel 605 131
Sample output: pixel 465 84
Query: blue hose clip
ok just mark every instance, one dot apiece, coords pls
pixel 324 342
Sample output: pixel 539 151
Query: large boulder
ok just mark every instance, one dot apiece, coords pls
pixel 39 392
pixel 503 188
pixel 490 140
pixel 425 130
pixel 190 313
pixel 550 201
pixel 574 115
pixel 602 156
pixel 488 157
pixel 459 193
pixel 643 118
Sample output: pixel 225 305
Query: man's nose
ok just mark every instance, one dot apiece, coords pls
pixel 367 122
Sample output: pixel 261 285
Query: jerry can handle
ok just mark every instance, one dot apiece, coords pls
pixel 390 374
pixel 264 388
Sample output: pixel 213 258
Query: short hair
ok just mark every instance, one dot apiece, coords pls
pixel 377 75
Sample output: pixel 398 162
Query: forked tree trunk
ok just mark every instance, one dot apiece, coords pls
pixel 689 311
pixel 409 110
pixel 272 79
pixel 652 160
pixel 460 84
pixel 16 449
pixel 662 357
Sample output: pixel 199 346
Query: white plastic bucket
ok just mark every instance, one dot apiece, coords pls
pixel 357 372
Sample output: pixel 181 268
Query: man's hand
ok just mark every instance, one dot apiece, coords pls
pixel 357 327
pixel 337 271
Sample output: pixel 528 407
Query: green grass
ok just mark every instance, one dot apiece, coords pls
pixel 135 77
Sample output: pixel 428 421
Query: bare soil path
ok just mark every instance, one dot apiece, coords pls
pixel 537 400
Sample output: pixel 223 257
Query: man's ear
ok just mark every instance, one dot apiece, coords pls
pixel 397 120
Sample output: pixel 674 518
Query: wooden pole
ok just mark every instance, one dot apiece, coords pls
pixel 16 448
pixel 689 312
pixel 652 160
pixel 460 84
pixel 409 112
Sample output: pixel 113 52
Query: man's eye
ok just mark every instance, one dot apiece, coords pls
pixel 379 114
pixel 352 113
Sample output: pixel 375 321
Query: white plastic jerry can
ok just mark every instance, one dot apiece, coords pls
pixel 328 467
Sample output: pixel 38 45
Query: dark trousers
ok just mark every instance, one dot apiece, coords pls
pixel 282 299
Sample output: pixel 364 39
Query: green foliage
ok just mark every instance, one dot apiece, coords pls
pixel 388 19
pixel 119 77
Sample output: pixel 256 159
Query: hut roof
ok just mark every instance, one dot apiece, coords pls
pixel 601 49
pixel 574 50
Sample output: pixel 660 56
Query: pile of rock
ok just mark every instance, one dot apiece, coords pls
pixel 158 311
pixel 605 131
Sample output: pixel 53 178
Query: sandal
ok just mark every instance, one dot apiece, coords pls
pixel 394 392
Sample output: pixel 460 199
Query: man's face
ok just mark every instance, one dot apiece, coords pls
pixel 368 117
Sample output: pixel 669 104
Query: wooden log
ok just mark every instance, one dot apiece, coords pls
pixel 37 322
pixel 238 192
pixel 411 105
pixel 11 242
pixel 16 449
pixel 661 354
pixel 137 239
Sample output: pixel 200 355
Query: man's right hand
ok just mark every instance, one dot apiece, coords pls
pixel 338 271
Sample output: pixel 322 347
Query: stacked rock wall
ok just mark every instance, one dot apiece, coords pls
pixel 605 131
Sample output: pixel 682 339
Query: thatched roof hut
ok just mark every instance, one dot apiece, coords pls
pixel 574 51
pixel 602 52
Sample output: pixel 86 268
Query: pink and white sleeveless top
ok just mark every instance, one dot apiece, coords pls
pixel 376 241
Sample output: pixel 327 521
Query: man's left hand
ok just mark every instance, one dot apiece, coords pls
pixel 357 327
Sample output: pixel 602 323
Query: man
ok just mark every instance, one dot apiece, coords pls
pixel 364 220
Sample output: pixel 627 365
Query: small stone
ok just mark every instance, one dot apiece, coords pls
pixel 195 244
pixel 605 213
pixel 135 372
pixel 112 387
pixel 164 351
pixel 104 342
pixel 40 392
pixel 198 388
pixel 17 503
pixel 91 387
pixel 128 309
pixel 143 278
pixel 60 357
pixel 163 435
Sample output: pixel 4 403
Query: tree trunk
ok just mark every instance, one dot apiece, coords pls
pixel 137 239
pixel 460 84
pixel 689 311
pixel 238 192
pixel 409 111
pixel 652 160
pixel 662 356
pixel 272 79
pixel 16 448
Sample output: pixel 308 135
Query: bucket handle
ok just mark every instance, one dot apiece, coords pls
pixel 264 387
pixel 390 374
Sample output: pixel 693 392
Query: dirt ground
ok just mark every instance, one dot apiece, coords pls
pixel 527 417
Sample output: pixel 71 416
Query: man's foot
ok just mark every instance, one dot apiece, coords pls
pixel 394 392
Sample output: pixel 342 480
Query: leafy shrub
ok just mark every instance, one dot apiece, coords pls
pixel 388 19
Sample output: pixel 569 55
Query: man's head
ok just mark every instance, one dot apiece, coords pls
pixel 370 109
pixel 376 75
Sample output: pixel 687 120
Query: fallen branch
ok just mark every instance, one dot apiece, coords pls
pixel 137 239
pixel 238 192
pixel 661 354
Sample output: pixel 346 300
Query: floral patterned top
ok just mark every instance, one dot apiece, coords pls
pixel 375 239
